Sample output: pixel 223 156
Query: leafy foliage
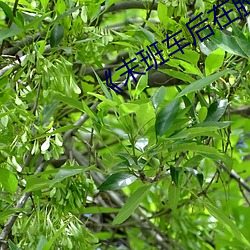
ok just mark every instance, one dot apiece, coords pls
pixel 163 165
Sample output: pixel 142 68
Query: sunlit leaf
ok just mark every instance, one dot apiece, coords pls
pixel 70 101
pixel 103 86
pixel 219 125
pixel 193 132
pixel 49 244
pixel 8 180
pixel 214 61
pixel 162 11
pixel 7 10
pixel 178 74
pixel 202 114
pixel 117 181
pixel 44 3
pixel 198 85
pixel 36 183
pixel 141 85
pixel 67 172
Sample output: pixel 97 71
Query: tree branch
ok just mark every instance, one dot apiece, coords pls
pixel 16 63
pixel 21 44
pixel 148 14
pixel 236 177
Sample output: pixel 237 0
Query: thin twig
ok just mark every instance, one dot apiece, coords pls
pixel 148 14
pixel 80 122
pixel 235 176
pixel 244 195
pixel 204 192
pixel 37 97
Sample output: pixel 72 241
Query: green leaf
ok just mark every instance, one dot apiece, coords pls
pixel 162 12
pixel 13 246
pixel 7 10
pixel 173 196
pixel 174 172
pixel 41 243
pixel 108 3
pixel 189 68
pixel 193 132
pixel 202 114
pixel 238 33
pixel 194 161
pixel 214 61
pixel 166 117
pixel 88 111
pixel 219 125
pixel 66 172
pixel 9 32
pixel 158 97
pixel 98 210
pixel 9 211
pixel 49 244
pixel 49 110
pixel 35 184
pixel 104 99
pixel 204 150
pixel 56 35
pixel 243 43
pixel 198 175
pixel 141 85
pixel 70 101
pixel 56 131
pixel 8 180
pixel 198 85
pixel 68 12
pixel 132 203
pixel 44 3
pixel 104 88
pixel 202 100
pixel 226 42
pixel 216 110
pixel 189 56
pixel 117 181
pixel 128 108
pixel 143 34
pixel 227 223
pixel 188 105
pixel 35 21
pixel 177 74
